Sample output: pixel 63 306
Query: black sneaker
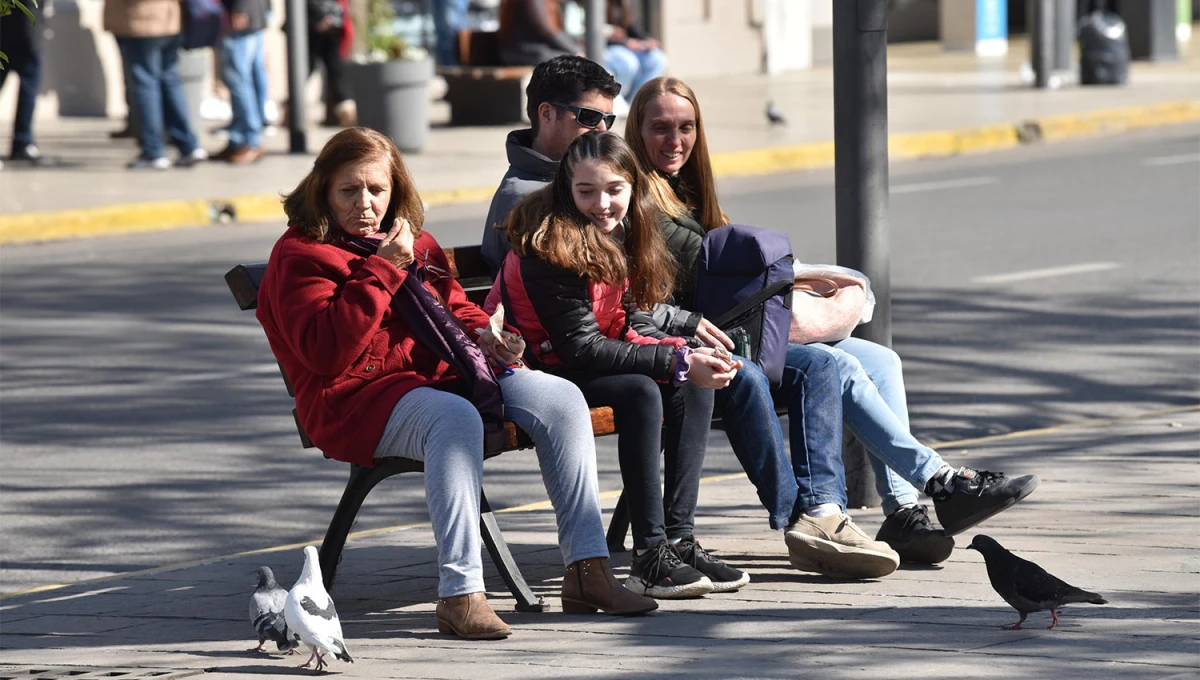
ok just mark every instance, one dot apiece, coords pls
pixel 660 574
pixel 725 579
pixel 911 534
pixel 971 496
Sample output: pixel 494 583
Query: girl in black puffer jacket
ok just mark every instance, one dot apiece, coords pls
pixel 582 248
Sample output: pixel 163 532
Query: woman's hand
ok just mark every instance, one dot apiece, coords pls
pixel 397 246
pixel 497 350
pixel 711 336
pixel 707 368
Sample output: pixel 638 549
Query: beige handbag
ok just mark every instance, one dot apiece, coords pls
pixel 827 305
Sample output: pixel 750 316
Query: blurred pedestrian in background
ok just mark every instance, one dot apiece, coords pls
pixel 241 59
pixel 531 31
pixel 20 42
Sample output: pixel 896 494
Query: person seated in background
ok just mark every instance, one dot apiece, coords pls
pixel 632 57
pixel 531 31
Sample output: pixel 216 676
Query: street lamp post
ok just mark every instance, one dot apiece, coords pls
pixel 297 68
pixel 860 134
pixel 594 30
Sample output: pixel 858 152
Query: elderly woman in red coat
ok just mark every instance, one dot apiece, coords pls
pixel 366 388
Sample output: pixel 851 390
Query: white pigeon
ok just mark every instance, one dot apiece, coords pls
pixel 311 617
pixel 266 613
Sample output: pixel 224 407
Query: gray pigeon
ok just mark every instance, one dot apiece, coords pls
pixel 266 613
pixel 774 115
pixel 1025 585
pixel 311 616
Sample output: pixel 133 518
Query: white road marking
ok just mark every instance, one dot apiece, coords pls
pixel 1173 160
pixel 1049 272
pixel 944 184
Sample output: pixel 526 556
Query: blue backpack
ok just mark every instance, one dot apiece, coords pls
pixel 744 281
pixel 202 22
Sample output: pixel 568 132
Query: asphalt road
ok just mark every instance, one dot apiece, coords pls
pixel 142 421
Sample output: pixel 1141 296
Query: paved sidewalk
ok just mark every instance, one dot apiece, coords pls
pixel 929 92
pixel 1116 513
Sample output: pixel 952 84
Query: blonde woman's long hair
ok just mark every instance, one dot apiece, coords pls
pixel 696 176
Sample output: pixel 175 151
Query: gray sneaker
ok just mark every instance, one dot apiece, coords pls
pixel 835 547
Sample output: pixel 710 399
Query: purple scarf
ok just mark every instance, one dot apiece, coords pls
pixel 440 332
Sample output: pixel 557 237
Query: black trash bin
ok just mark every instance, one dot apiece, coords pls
pixel 1103 49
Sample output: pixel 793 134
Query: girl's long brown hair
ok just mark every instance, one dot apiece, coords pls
pixel 548 225
pixel 696 176
pixel 307 206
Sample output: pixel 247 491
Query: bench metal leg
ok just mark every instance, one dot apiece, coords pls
pixel 618 526
pixel 509 571
pixel 362 480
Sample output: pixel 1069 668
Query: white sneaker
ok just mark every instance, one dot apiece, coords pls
pixel 198 155
pixel 160 163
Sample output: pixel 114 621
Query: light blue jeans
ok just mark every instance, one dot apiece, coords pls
pixel 241 57
pixel 444 431
pixel 634 69
pixel 875 408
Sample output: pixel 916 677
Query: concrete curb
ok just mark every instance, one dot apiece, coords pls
pixel 163 215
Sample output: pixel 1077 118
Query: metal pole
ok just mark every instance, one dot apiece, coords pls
pixel 1041 41
pixel 860 135
pixel 595 21
pixel 297 65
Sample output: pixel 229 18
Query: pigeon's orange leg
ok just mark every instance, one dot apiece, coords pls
pixel 320 661
pixel 310 660
pixel 1054 619
pixel 1017 625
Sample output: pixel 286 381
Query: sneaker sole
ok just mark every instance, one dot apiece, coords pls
pixel 809 553
pixel 730 586
pixel 987 513
pixel 928 551
pixel 684 592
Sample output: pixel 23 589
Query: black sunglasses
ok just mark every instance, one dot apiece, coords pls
pixel 588 118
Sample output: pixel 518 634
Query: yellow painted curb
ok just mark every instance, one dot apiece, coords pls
pixel 112 219
pixel 143 217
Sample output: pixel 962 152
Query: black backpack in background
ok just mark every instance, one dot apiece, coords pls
pixel 1103 48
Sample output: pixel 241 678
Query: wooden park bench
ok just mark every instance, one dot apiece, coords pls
pixel 468 267
pixel 480 90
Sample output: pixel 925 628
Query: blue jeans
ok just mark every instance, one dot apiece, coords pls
pixel 634 69
pixel 258 70
pixel 158 93
pixel 814 474
pixel 876 411
pixel 25 60
pixel 449 17
pixel 444 431
pixel 239 52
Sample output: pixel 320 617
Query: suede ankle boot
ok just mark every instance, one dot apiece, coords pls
pixel 590 585
pixel 470 616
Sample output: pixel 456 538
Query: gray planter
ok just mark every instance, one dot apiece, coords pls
pixel 393 98
pixel 193 70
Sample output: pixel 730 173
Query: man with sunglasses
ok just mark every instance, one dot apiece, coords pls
pixel 568 96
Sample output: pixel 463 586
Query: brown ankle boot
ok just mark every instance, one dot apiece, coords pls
pixel 469 616
pixel 590 585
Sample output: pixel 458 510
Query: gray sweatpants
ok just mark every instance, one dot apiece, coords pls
pixel 444 431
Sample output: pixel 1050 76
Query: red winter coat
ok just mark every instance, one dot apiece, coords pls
pixel 327 313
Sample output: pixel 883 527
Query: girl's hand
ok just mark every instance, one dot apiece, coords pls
pixel 708 370
pixel 711 336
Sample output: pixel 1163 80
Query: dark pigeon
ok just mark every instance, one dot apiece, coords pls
pixel 774 115
pixel 1025 585
pixel 266 613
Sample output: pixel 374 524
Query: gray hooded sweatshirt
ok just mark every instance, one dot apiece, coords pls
pixel 528 171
